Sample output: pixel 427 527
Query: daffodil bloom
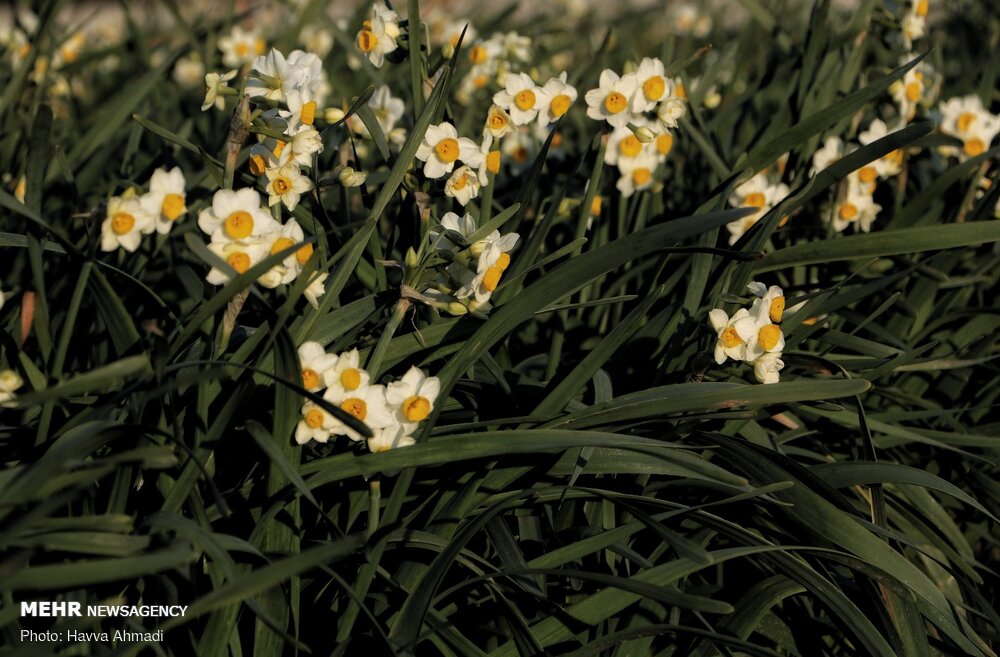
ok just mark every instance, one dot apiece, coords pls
pixel 125 224
pixel 367 404
pixel 493 260
pixel 272 77
pixel 441 148
pixel 286 184
pixel 522 98
pixel 389 437
pixel 766 339
pixel 316 288
pixel 236 215
pixel 412 398
pixel 489 159
pixel 315 363
pixel 240 47
pixel 909 92
pixel 350 177
pixel 304 142
pixel 623 146
pixel 498 122
pixel 214 86
pixel 189 70
pixel 636 173
pixel 733 333
pixel 10 382
pixel 345 376
pixel 889 164
pixel 914 26
pixel 769 306
pixel 767 366
pixel 462 185
pixel 289 268
pixel 673 107
pixel 558 97
pixel 388 110
pixel 316 424
pixel 463 225
pixel 165 200
pixel 240 255
pixel 832 150
pixel 855 207
pixel 754 193
pixel 652 85
pixel 377 38
pixel 610 100
pixel 966 119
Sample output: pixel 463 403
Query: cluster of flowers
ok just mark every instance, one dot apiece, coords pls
pixel 466 284
pixel 967 120
pixel 763 192
pixel 242 232
pixel 392 411
pixel 378 34
pixel 130 215
pixel 49 70
pixel 642 107
pixel 753 335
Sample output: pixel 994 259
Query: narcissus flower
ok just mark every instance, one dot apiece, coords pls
pixel 286 184
pixel 240 255
pixel 966 119
pixel 462 185
pixel 366 404
pixel 316 424
pixel 832 150
pixel 236 215
pixel 758 193
pixel 636 173
pixel 767 366
pixel 558 96
pixel 125 224
pixel 240 46
pixel 345 376
pixel 315 363
pixel 610 100
pixel 214 85
pixel 390 437
pixel 498 122
pixel 733 333
pixel 10 382
pixel 412 397
pixel 165 200
pixel 377 37
pixel 889 164
pixel 441 148
pixel 522 98
pixel 652 85
pixel 769 306
pixel 316 289
pixel 854 207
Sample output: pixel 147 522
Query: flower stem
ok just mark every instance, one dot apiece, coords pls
pixel 375 360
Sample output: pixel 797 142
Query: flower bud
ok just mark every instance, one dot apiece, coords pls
pixel 333 114
pixel 411 258
pixel 644 134
pixel 348 177
pixel 457 308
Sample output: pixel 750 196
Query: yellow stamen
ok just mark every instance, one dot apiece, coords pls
pixel 350 379
pixel 314 419
pixel 281 184
pixel 525 100
pixel 239 261
pixel 122 222
pixel 447 150
pixel 356 407
pixel 173 206
pixel 559 105
pixel 239 225
pixel 615 103
pixel 416 408
pixel 310 379
pixel 730 338
pixel 965 121
pixel 654 87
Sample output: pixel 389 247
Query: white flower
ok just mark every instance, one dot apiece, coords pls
pixel 388 110
pixel 316 289
pixel 558 96
pixel 652 85
pixel 967 119
pixel 125 224
pixel 291 266
pixel 10 382
pixel 189 70
pixel 240 47
pixel 908 92
pixel 345 376
pixel 286 185
pixel 522 98
pixel 889 164
pixel 493 261
pixel 441 148
pixel 303 143
pixel 498 122
pixel 315 363
pixel 636 173
pixel 389 437
pixel 350 177
pixel 214 84
pixel 733 333
pixel 376 39
pixel 767 339
pixel 236 215
pixel 272 77
pixel 412 398
pixel 855 207
pixel 366 403
pixel 464 226
pixel 767 366
pixel 757 193
pixel 769 304
pixel 462 185
pixel 240 255
pixel 165 200
pixel 609 102
pixel 673 107
pixel 914 27
pixel 316 424
pixel 832 150
pixel 622 145
pixel 317 39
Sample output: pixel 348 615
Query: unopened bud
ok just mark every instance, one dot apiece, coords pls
pixel 457 308
pixel 448 51
pixel 348 177
pixel 643 134
pixel 333 114
pixel 411 258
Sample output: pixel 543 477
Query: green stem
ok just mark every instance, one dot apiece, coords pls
pixel 375 360
pixel 374 504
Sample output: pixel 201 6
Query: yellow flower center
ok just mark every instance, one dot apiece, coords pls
pixel 416 408
pixel 239 225
pixel 921 8
pixel 278 147
pixel 447 150
pixel 497 121
pixel 965 121
pixel 242 49
pixel 755 200
pixel 595 206
pixel 281 244
pixel 654 87
pixel 974 147
pixel 641 176
pixel 493 162
pixel 867 174
pixel 730 338
pixel 768 337
pixel 356 407
pixel 122 222
pixel 664 143
pixel 308 114
pixel 895 157
pixel 367 40
pixel 777 309
pixel 257 165
pixel 173 206
pixel 914 90
pixel 259 46
pixel 314 419
pixel 615 103
pixel 460 183
pixel 480 81
pixel 478 54
pixel 629 146
pixel 492 277
pixel 310 379
pixel 680 91
pixel 239 261
pixel 525 99
pixel 560 105
pixel 302 255
pixel 350 379
pixel 281 184
pixel 848 211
